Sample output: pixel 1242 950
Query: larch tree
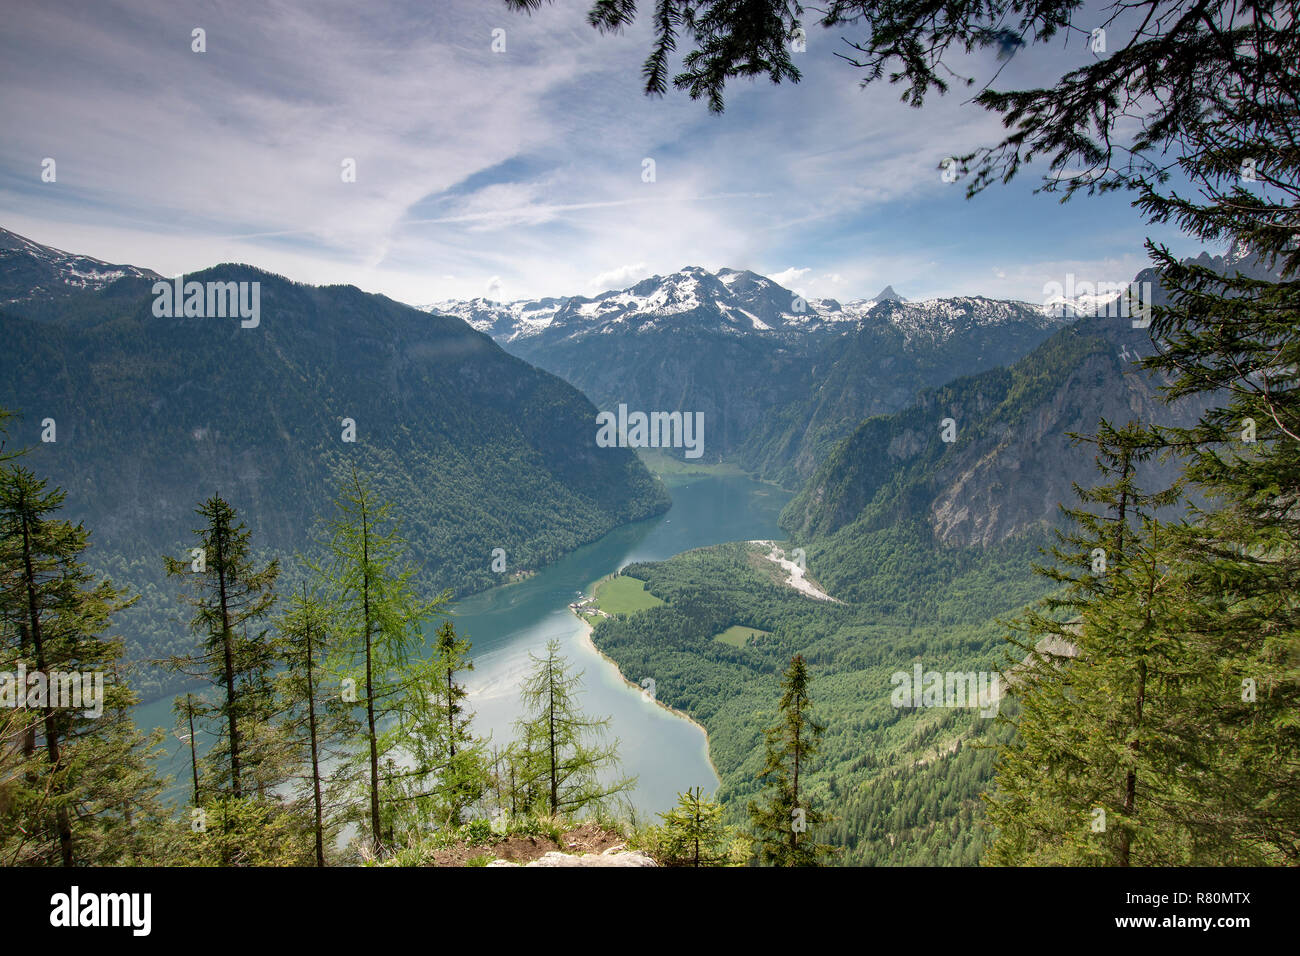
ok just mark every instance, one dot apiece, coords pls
pixel 315 719
pixel 378 621
pixel 450 771
pixel 565 763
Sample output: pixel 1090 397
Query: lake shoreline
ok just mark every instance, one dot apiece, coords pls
pixel 508 622
pixel 589 642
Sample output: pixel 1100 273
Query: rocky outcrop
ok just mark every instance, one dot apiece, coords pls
pixel 1010 459
pixel 614 856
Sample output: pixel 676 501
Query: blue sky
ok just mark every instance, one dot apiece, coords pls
pixel 519 171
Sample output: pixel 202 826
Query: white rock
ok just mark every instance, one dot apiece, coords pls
pixel 614 856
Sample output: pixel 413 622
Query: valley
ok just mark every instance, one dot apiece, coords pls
pixel 878 509
pixel 678 434
pixel 666 753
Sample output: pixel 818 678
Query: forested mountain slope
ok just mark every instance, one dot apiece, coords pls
pixel 902 784
pixel 1002 477
pixel 778 378
pixel 926 543
pixel 151 415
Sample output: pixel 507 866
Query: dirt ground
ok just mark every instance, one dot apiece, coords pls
pixel 588 838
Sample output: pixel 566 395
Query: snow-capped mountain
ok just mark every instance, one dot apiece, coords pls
pixel 931 321
pixel 29 270
pixel 735 345
pixel 729 302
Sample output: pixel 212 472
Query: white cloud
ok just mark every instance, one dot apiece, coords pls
pixel 787 277
pixel 618 278
pixel 522 167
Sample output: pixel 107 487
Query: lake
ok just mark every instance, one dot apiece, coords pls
pixel 666 752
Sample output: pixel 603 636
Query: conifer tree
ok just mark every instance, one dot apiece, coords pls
pixel 228 591
pixel 786 820
pixel 120 810
pixel 1049 799
pixel 1089 775
pixel 17 773
pixel 378 622
pixel 1232 338
pixel 84 791
pixel 450 766
pixel 315 720
pixel 693 833
pixel 246 832
pixel 186 710
pixel 1110 762
pixel 566 765
pixel 270 751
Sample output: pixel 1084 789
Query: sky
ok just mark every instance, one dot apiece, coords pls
pixel 510 173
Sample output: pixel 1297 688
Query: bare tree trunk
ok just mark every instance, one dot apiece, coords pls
pixel 555 783
pixel 315 758
pixel 194 754
pixel 228 652
pixel 375 823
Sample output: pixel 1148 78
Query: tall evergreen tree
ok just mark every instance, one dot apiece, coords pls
pixel 84 791
pixel 786 821
pixel 228 591
pixel 1116 753
pixel 1232 337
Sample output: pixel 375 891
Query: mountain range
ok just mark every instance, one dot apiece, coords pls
pixel 894 487
pixel 923 524
pixel 150 415
pixel 779 378
pixel 30 271
pixel 481 450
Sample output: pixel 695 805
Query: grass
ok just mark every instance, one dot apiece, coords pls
pixel 623 594
pixel 661 463
pixel 738 636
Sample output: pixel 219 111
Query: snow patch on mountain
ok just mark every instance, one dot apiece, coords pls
pixel 731 302
pixel 30 270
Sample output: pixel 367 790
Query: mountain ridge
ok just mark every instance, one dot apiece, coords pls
pixel 745 302
pixel 753 356
pixel 30 270
pixel 477 449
